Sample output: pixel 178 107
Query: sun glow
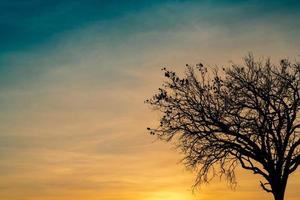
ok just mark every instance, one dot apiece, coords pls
pixel 165 195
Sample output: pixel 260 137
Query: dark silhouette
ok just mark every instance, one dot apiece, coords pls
pixel 245 115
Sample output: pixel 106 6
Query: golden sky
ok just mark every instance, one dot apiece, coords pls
pixel 72 118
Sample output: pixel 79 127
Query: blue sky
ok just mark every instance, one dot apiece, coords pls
pixel 28 23
pixel 32 27
pixel 74 76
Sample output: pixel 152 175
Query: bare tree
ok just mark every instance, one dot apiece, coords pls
pixel 246 116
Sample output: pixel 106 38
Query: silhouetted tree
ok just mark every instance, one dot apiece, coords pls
pixel 246 115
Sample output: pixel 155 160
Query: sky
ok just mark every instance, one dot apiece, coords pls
pixel 74 76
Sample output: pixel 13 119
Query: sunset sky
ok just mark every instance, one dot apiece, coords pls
pixel 74 75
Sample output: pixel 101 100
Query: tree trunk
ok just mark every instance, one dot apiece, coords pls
pixel 279 189
pixel 278 195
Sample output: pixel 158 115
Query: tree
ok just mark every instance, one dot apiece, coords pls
pixel 246 115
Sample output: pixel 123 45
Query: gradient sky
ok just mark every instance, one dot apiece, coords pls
pixel 73 78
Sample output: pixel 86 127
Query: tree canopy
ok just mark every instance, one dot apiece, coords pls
pixel 244 115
